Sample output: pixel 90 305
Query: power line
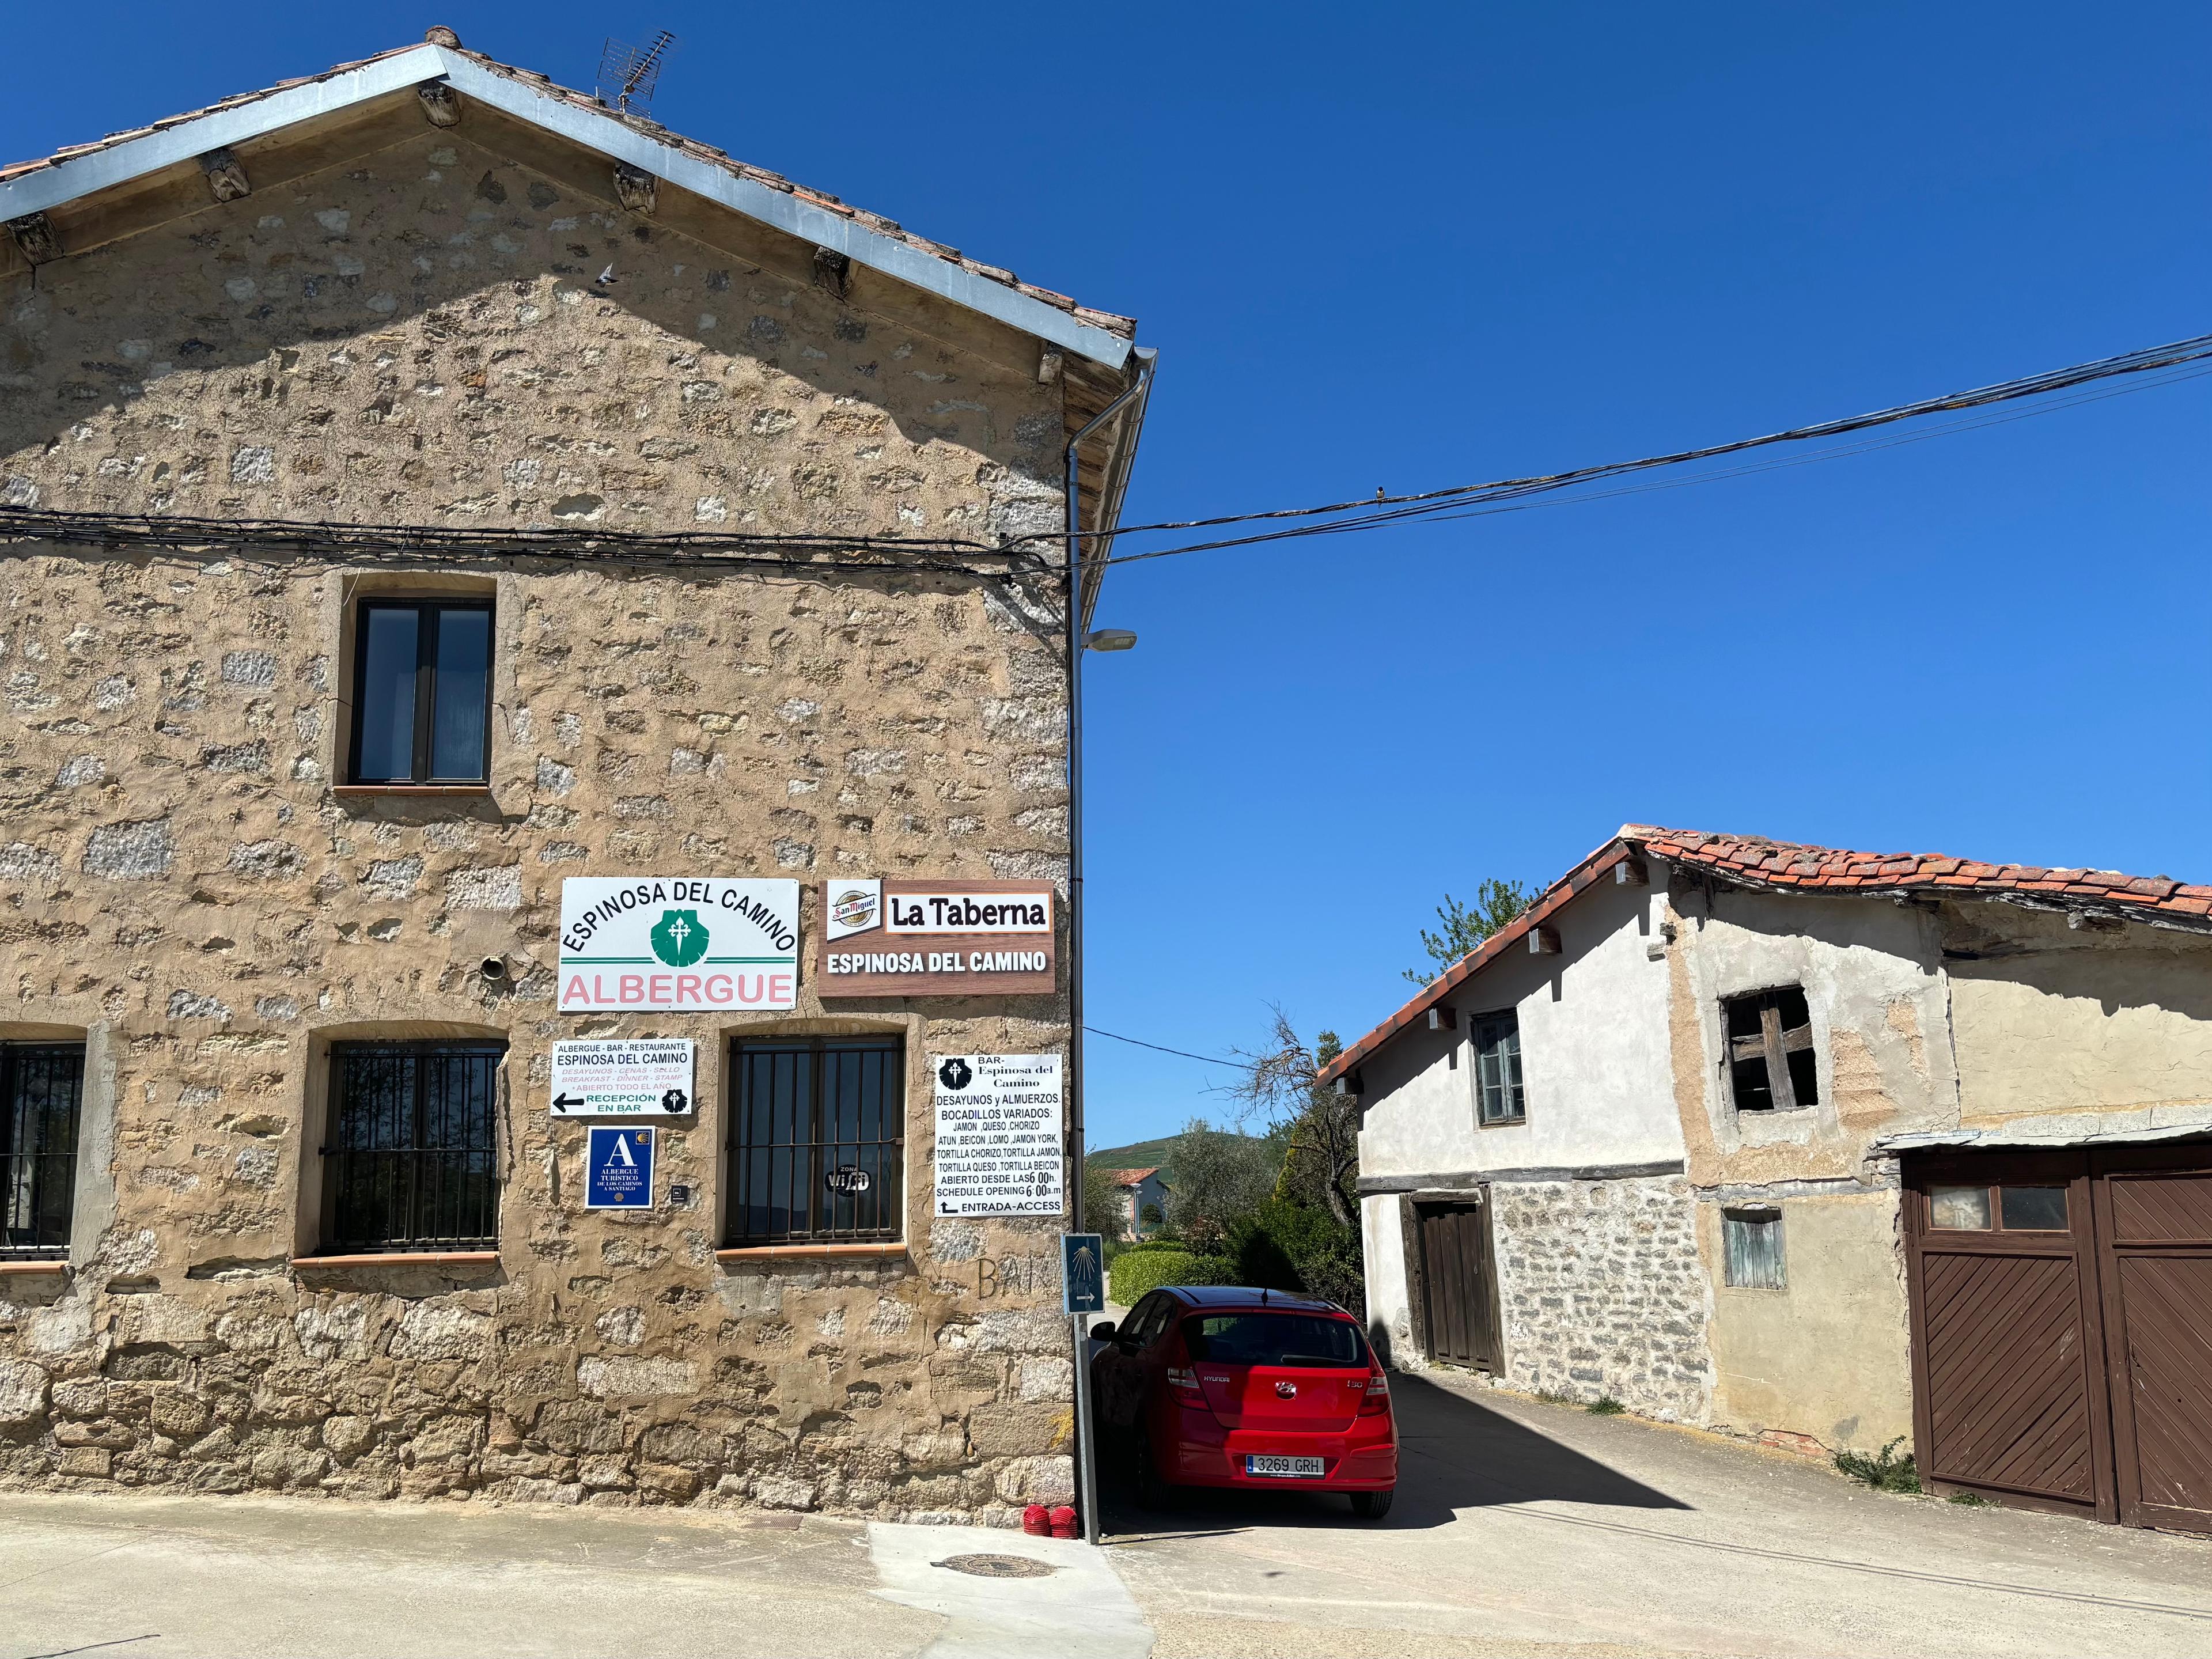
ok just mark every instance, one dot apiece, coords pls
pixel 1433 503
pixel 1445 511
pixel 1240 1065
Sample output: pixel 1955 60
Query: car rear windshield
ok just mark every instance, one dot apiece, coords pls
pixel 1275 1339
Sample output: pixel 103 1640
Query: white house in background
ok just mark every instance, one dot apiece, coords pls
pixel 1142 1198
pixel 1828 1147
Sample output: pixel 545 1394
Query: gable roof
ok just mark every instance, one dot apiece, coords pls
pixel 866 238
pixel 1132 1178
pixel 1794 866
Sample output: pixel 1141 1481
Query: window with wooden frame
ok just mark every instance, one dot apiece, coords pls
pixel 411 1154
pixel 1770 1050
pixel 2039 1207
pixel 1498 1094
pixel 818 1143
pixel 41 1098
pixel 1751 1250
pixel 422 691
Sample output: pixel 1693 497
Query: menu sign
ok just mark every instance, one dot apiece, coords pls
pixel 886 937
pixel 998 1143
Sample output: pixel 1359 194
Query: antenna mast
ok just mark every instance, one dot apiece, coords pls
pixel 627 73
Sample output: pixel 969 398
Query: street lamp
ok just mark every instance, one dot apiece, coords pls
pixel 1111 639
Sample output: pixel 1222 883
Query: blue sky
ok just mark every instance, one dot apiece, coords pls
pixel 1406 246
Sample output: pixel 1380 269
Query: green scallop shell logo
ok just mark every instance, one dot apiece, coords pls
pixel 679 939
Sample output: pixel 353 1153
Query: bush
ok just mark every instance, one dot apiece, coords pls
pixel 1287 1246
pixel 1137 1270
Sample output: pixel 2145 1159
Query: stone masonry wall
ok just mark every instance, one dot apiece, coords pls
pixel 1603 1295
pixel 417 338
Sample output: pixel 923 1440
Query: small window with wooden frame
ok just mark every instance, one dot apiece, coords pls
pixel 1499 1095
pixel 1770 1065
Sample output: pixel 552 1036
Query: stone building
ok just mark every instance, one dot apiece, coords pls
pixel 423 487
pixel 1835 1149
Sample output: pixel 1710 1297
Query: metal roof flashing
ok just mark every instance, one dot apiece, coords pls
pixel 603 132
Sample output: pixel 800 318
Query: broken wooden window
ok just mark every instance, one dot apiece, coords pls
pixel 1751 1242
pixel 1769 1051
pixel 1500 1097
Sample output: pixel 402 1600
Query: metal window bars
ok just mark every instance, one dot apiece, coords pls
pixel 817 1151
pixel 411 1162
pixel 41 1095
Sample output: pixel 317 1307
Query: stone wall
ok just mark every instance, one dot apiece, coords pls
pixel 419 338
pixel 1601 1293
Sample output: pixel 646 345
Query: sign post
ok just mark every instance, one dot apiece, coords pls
pixel 1083 1293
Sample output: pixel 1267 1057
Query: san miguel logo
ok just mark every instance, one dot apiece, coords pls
pixel 678 943
pixel 912 937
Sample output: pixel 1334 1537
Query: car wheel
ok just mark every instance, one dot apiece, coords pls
pixel 1372 1505
pixel 1152 1491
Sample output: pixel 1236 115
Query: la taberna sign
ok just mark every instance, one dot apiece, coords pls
pixel 677 944
pixel 882 937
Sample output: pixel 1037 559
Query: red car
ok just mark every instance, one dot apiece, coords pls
pixel 1220 1386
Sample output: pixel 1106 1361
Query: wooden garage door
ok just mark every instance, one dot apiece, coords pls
pixel 2009 1387
pixel 2154 1223
pixel 1459 1281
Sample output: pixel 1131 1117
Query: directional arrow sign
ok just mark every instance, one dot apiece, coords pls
pixel 649 1077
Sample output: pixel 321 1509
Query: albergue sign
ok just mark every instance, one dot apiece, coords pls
pixel 882 937
pixel 677 944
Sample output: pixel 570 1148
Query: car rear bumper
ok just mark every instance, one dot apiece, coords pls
pixel 1359 1459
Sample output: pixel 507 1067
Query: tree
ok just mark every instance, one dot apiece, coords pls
pixel 1320 1128
pixel 1101 1202
pixel 1497 904
pixel 1219 1175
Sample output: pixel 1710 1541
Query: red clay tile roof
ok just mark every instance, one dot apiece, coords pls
pixel 1789 867
pixel 1754 861
pixel 1124 326
pixel 1130 1177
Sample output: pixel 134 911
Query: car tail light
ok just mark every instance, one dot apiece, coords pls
pixel 1183 1383
pixel 1377 1400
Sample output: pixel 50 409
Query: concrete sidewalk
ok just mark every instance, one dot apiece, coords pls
pixel 1528 1528
pixel 213 1577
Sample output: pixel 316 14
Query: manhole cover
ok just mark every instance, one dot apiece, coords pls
pixel 997 1566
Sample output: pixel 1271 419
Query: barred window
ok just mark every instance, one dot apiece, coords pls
pixel 818 1143
pixel 1497 1069
pixel 410 1160
pixel 41 1093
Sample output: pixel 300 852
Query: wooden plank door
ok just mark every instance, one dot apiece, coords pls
pixel 2154 1210
pixel 1459 1284
pixel 2008 1372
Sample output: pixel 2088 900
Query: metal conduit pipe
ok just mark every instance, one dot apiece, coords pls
pixel 1129 409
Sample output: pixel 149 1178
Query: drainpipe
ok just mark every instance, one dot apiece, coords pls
pixel 1129 409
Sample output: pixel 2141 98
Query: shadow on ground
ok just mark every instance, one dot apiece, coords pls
pixel 1454 1454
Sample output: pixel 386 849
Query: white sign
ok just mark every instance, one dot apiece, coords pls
pixel 650 1078
pixel 677 944
pixel 998 1144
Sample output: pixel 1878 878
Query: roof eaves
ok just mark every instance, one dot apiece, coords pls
pixel 1548 903
pixel 87 168
pixel 529 97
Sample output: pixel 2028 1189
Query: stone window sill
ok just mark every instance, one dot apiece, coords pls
pixel 44 1265
pixel 401 1259
pixel 771 1252
pixel 433 791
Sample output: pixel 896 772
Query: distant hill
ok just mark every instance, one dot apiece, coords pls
pixel 1141 1155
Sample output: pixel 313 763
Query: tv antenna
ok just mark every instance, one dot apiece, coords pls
pixel 628 72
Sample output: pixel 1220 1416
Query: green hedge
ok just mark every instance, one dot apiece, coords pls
pixel 1136 1272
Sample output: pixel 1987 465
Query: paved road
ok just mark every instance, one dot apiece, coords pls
pixel 152 1578
pixel 1527 1528
pixel 1520 1529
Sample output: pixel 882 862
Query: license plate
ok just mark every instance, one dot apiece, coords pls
pixel 1292 1468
